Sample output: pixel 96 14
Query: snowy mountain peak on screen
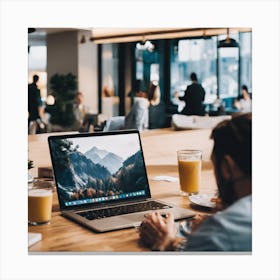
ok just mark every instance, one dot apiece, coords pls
pixel 109 160
pixel 112 162
pixel 96 154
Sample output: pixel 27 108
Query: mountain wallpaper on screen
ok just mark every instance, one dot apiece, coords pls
pixel 96 173
pixel 109 160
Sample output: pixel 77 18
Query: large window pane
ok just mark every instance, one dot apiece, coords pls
pixel 228 70
pixel 246 59
pixel 37 58
pixel 147 63
pixel 194 55
pixel 37 64
pixel 110 69
pixel 110 82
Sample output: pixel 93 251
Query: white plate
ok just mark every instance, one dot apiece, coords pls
pixel 203 200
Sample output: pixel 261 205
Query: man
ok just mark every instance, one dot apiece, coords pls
pixel 35 109
pixel 80 111
pixel 194 97
pixel 231 228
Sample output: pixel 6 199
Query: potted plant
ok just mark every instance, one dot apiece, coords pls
pixel 63 89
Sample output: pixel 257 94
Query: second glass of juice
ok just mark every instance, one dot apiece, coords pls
pixel 189 165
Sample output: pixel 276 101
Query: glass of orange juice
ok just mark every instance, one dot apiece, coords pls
pixel 189 165
pixel 39 205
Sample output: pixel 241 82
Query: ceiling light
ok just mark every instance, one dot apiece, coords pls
pixel 145 45
pixel 228 42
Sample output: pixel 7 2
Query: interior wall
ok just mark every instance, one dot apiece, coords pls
pixel 62 53
pixel 87 72
pixel 65 54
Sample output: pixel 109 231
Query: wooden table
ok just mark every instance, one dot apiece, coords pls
pixel 159 146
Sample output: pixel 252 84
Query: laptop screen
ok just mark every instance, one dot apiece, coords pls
pixel 98 168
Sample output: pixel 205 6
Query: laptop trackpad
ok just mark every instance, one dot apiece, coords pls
pixel 118 222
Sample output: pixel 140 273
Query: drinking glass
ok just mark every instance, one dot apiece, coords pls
pixel 189 166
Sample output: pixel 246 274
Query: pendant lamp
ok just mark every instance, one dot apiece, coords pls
pixel 228 42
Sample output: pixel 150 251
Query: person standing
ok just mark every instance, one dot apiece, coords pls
pixel 35 104
pixel 194 97
pixel 35 108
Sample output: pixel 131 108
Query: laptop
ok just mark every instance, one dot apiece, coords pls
pixel 102 182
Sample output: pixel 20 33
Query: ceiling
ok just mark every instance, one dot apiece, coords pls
pixel 106 35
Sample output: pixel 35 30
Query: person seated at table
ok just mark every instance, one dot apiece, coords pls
pixel 231 228
pixel 156 108
pixel 80 110
pixel 194 97
pixel 144 114
pixel 137 90
pixel 139 115
pixel 243 101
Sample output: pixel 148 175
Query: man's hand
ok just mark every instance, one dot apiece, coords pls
pixel 198 220
pixel 158 233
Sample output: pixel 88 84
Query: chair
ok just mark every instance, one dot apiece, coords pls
pixel 114 123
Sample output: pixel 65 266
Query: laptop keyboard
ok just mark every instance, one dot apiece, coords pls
pixel 122 210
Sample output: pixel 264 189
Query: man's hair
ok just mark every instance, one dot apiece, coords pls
pixel 245 87
pixel 234 138
pixel 35 78
pixel 193 77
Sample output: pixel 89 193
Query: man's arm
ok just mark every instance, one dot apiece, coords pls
pixel 184 98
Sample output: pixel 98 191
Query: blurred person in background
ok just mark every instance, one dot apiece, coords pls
pixel 35 107
pixel 80 110
pixel 243 101
pixel 194 98
pixel 138 117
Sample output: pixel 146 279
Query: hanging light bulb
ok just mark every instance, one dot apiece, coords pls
pixel 145 45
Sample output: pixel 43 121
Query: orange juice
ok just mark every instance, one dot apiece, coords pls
pixel 39 206
pixel 190 175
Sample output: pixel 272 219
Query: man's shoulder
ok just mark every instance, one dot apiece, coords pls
pixel 195 86
pixel 240 211
pixel 33 87
pixel 242 206
pixel 230 229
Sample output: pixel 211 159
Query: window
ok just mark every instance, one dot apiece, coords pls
pixel 246 60
pixel 37 64
pixel 147 62
pixel 228 59
pixel 110 69
pixel 219 70
pixel 37 58
pixel 110 80
pixel 193 55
